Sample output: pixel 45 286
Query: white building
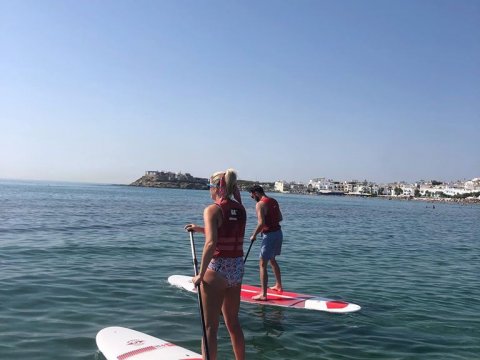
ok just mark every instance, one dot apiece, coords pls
pixel 319 183
pixel 433 191
pixel 281 186
pixel 351 186
pixel 408 191
pixel 472 185
pixel 328 186
pixel 451 191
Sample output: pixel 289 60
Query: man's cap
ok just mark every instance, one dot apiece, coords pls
pixel 256 188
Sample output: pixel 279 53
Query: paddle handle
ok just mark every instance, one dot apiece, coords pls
pixel 199 295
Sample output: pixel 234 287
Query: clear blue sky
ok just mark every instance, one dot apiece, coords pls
pixel 100 91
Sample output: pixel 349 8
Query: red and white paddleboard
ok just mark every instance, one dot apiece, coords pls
pixel 119 343
pixel 275 298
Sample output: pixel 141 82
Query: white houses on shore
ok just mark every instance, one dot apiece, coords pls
pixel 289 187
pixel 428 189
pixel 354 187
pixel 473 185
pixel 323 185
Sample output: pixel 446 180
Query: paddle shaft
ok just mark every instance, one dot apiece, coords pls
pixel 248 251
pixel 199 294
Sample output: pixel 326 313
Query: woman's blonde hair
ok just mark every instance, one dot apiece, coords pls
pixel 226 181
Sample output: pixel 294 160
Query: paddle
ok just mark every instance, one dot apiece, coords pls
pixel 248 252
pixel 200 305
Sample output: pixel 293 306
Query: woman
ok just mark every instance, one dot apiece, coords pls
pixel 221 269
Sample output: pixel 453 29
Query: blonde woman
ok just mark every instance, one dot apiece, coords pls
pixel 221 270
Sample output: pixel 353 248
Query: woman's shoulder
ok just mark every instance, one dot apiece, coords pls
pixel 212 209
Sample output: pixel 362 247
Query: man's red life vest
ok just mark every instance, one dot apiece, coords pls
pixel 232 230
pixel 273 216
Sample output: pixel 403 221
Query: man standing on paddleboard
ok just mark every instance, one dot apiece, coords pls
pixel 269 217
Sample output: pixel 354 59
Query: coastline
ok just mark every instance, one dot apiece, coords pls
pixel 428 200
pixel 162 179
pixel 436 200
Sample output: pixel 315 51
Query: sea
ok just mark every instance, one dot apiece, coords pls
pixel 76 258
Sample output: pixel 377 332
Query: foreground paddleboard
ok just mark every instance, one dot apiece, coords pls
pixel 275 298
pixel 119 343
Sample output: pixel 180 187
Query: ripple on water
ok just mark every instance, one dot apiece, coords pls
pixel 103 255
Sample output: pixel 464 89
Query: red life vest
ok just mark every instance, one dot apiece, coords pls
pixel 273 216
pixel 232 230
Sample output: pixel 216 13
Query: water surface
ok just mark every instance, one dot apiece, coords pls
pixel 76 258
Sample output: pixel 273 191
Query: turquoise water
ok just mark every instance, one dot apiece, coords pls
pixel 75 258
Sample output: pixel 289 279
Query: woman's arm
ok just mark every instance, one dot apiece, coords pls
pixel 212 219
pixel 194 228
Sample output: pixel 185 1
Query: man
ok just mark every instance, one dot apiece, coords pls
pixel 269 217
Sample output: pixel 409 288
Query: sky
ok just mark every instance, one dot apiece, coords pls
pixel 101 91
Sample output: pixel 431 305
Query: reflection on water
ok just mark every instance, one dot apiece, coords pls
pixel 268 327
pixel 272 319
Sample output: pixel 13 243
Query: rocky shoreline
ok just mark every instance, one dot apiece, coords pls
pixel 434 200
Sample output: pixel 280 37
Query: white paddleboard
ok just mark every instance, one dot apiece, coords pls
pixel 277 298
pixel 119 343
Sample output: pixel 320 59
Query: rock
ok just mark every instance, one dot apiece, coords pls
pixel 161 179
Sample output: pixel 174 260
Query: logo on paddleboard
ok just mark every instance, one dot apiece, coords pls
pixel 135 342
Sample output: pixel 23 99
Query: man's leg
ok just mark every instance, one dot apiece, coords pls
pixel 278 275
pixel 263 280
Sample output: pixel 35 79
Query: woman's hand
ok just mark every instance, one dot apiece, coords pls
pixel 196 280
pixel 191 227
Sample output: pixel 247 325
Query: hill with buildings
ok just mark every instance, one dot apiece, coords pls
pixel 168 179
pixel 163 179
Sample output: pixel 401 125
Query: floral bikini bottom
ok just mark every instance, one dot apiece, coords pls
pixel 231 269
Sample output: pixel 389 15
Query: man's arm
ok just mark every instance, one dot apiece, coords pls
pixel 260 210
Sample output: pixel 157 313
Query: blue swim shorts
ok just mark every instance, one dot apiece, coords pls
pixel 271 245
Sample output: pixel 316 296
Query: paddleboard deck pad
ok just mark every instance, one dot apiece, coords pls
pixel 276 298
pixel 119 343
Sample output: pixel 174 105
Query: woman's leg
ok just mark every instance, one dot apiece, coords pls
pixel 213 291
pixel 231 306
